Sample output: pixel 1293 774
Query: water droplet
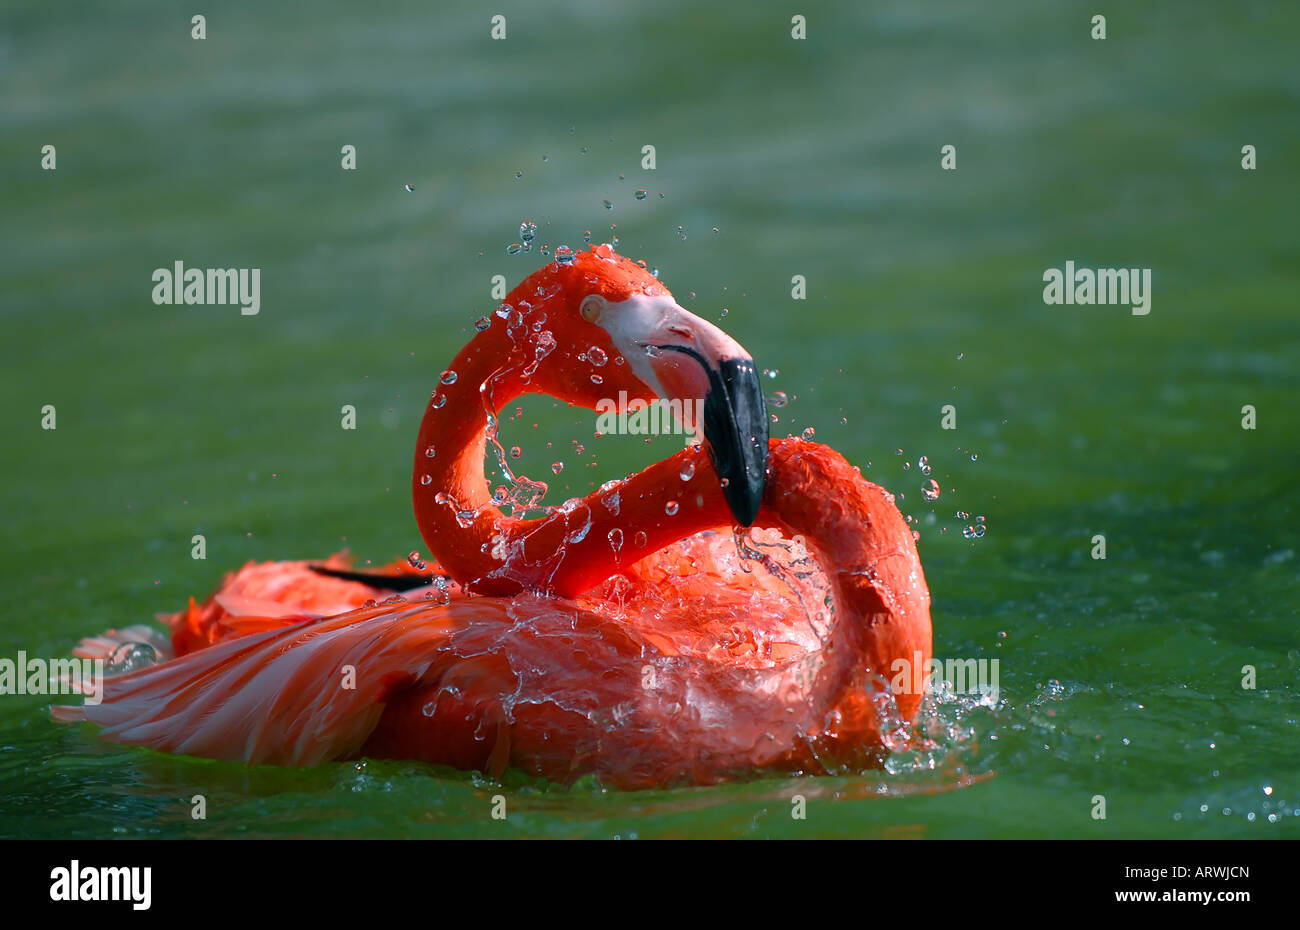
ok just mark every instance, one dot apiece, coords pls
pixel 609 204
pixel 670 508
pixel 924 464
pixel 437 401
pixel 482 323
pixel 413 559
pixel 515 452
pixel 426 480
pixel 597 356
pixel 557 467
pixel 930 490
pixel 596 379
pixel 907 466
pixel 639 540
pixel 681 231
pixel 586 236
pixel 564 255
pixel 779 399
pixel 724 313
pixel 973 532
pixel 974 456
pixel 130 656
pixel 844 421
pixel 641 194
pixel 616 539
pixel 518 175
pixel 448 377
pixel 428 453
pixel 527 230
pixel 688 471
pixel 809 433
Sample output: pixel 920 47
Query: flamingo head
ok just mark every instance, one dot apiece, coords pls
pixel 606 333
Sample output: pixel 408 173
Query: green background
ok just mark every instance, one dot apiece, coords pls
pixel 819 157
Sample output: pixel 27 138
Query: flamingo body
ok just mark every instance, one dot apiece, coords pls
pixel 632 639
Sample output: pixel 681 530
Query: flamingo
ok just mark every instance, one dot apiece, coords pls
pixel 741 605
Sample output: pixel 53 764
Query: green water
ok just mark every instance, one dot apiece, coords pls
pixel 1120 678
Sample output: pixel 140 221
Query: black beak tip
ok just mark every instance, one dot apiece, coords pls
pixel 744 500
pixel 736 428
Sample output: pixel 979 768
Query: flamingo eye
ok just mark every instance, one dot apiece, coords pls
pixel 591 307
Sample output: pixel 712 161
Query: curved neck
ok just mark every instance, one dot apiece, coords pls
pixel 453 507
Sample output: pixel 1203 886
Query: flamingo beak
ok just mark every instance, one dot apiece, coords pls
pixel 736 429
pixel 695 362
pixel 685 359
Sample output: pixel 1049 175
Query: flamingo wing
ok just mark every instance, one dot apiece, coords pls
pixel 294 695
